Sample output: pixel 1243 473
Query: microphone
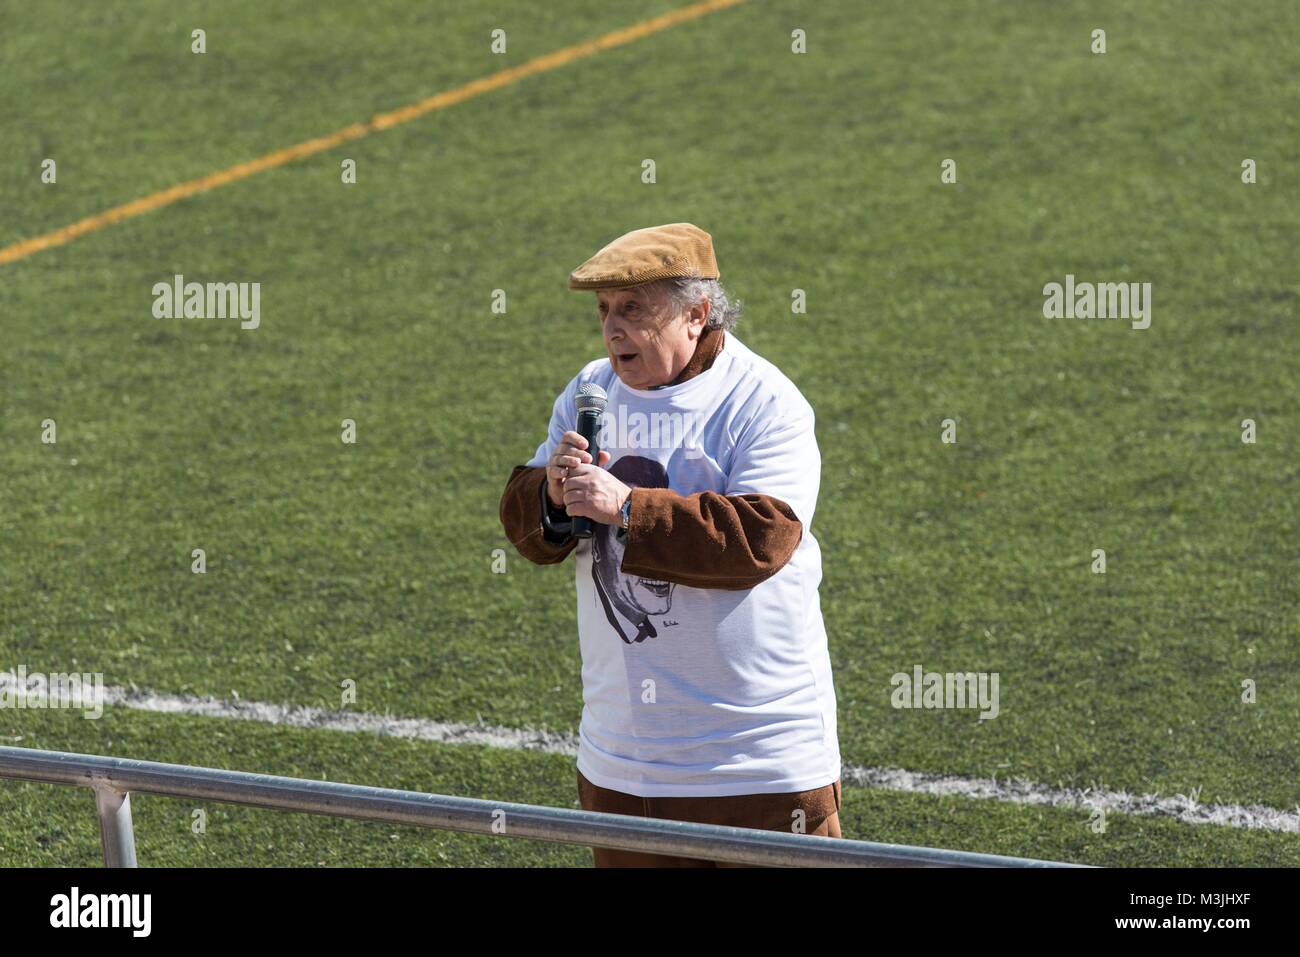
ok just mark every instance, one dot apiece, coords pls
pixel 590 402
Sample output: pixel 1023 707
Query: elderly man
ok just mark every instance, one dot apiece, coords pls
pixel 707 683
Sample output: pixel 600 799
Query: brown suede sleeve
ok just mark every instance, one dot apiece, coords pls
pixel 521 516
pixel 707 540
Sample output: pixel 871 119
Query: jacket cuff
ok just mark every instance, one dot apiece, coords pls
pixel 522 512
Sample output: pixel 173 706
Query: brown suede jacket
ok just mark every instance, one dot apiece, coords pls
pixel 705 540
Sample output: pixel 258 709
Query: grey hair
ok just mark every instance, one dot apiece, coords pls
pixel 685 291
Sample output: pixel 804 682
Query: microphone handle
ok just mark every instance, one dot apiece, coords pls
pixel 589 429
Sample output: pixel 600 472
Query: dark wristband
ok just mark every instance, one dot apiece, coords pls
pixel 559 530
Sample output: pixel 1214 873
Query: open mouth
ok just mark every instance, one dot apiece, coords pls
pixel 659 589
pixel 625 357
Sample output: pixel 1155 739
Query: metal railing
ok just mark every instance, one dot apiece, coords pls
pixel 113 780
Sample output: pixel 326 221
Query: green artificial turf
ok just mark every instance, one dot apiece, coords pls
pixel 373 562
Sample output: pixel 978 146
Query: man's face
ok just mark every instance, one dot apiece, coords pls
pixel 648 342
pixel 634 596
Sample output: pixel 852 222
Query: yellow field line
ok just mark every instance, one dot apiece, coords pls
pixel 381 121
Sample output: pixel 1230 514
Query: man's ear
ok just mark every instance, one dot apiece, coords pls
pixel 699 316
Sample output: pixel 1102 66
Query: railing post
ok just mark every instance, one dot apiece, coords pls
pixel 115 830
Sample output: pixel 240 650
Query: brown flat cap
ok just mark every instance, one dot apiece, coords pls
pixel 657 252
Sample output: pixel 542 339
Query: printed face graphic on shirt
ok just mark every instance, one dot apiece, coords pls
pixel 632 597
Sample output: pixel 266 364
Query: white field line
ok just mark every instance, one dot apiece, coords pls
pixel 1018 791
pixel 1015 791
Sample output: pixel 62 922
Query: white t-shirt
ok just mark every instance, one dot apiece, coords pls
pixel 703 691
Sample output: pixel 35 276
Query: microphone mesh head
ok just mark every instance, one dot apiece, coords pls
pixel 590 398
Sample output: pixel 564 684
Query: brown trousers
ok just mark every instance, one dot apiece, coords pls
pixel 765 812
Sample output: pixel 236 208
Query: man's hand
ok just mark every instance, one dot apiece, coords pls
pixel 584 489
pixel 568 455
